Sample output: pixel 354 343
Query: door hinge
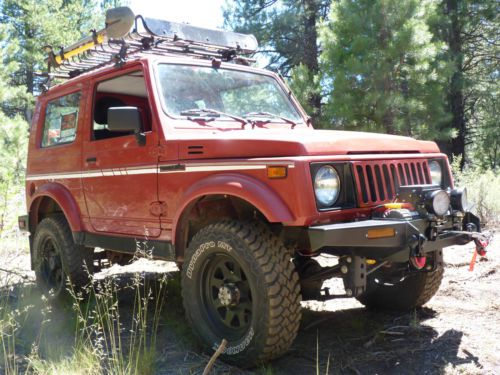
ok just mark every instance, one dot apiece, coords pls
pixel 158 208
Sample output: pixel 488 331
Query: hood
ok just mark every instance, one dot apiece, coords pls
pixel 297 142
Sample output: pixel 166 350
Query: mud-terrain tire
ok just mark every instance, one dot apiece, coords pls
pixel 57 258
pixel 239 284
pixel 414 291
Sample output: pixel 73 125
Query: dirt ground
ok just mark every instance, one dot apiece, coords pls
pixel 458 331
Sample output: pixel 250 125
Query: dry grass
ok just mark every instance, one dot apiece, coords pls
pixel 109 328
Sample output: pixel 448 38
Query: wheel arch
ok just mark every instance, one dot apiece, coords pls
pixel 231 192
pixel 53 198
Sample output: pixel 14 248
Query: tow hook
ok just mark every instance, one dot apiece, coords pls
pixel 481 245
pixel 417 260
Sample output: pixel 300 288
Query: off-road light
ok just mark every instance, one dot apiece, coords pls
pixel 438 202
pixel 326 186
pixel 436 172
pixel 458 198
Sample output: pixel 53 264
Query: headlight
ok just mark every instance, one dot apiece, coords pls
pixel 326 185
pixel 438 202
pixel 436 173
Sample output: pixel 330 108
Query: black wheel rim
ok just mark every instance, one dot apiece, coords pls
pixel 227 296
pixel 51 266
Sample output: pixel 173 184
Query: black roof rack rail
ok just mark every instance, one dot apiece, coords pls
pixel 126 35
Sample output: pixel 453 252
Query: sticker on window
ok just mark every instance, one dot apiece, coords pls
pixel 61 120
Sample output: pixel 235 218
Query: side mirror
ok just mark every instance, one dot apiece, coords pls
pixel 126 119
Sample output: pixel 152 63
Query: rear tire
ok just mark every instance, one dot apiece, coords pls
pixel 57 258
pixel 414 291
pixel 239 284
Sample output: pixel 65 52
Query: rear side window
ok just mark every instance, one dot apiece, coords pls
pixel 61 119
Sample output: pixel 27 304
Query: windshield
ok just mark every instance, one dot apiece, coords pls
pixel 186 88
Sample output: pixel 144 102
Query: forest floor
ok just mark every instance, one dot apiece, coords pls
pixel 457 332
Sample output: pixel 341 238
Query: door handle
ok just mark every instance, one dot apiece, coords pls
pixel 91 159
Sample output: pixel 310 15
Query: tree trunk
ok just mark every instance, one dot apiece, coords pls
pixel 310 48
pixel 456 94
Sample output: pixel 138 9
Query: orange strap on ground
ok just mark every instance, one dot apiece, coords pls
pixel 473 261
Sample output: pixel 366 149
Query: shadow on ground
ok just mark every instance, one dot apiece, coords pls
pixel 360 341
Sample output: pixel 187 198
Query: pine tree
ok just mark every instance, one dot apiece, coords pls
pixel 470 30
pixel 35 24
pixel 379 63
pixel 13 133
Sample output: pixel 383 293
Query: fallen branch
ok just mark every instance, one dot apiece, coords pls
pixel 217 353
pixel 14 273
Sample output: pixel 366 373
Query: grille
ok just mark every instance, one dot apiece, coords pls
pixel 377 181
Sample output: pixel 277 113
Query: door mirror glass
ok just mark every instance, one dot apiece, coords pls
pixel 122 119
pixel 126 119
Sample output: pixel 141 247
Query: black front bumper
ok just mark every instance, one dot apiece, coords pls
pixel 409 237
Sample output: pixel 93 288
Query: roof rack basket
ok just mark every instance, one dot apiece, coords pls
pixel 126 34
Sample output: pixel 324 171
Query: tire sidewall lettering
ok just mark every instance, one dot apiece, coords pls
pixel 201 250
pixel 233 350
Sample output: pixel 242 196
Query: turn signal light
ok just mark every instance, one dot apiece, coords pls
pixel 276 172
pixel 380 233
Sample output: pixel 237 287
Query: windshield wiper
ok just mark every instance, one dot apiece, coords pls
pixel 272 115
pixel 195 112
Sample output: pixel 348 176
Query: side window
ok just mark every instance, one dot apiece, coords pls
pixel 61 119
pixel 124 91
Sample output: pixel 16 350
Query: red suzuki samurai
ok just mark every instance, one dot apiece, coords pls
pixel 163 134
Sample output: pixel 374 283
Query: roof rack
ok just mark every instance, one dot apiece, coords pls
pixel 126 34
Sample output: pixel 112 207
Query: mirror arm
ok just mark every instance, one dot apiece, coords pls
pixel 140 138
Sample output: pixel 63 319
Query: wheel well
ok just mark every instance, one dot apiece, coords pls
pixel 41 208
pixel 208 209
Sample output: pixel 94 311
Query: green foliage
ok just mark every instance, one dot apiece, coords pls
pixel 470 31
pixel 13 141
pixel 379 58
pixel 306 85
pixel 33 25
pixel 279 26
pixel 483 191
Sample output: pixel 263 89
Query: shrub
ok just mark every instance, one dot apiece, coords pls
pixel 483 189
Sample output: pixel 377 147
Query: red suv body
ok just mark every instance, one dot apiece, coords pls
pixel 217 167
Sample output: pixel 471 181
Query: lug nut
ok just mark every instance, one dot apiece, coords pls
pixel 348 292
pixel 344 269
pixel 348 260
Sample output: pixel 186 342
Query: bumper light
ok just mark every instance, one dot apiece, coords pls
pixel 438 202
pixel 458 198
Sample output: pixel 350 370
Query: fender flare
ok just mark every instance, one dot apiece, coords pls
pixel 251 190
pixel 62 196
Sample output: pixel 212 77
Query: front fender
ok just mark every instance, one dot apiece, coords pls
pixel 251 190
pixel 62 196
